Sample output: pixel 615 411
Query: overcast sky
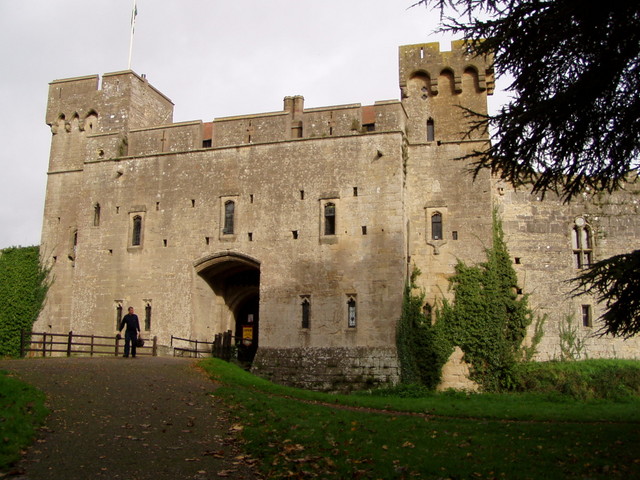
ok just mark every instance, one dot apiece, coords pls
pixel 212 58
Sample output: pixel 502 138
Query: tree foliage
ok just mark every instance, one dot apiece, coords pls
pixel 574 117
pixel 23 287
pixel 573 121
pixel 422 349
pixel 487 318
pixel 615 282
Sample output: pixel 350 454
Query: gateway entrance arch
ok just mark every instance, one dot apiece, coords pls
pixel 234 280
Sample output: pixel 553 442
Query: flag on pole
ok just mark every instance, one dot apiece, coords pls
pixel 134 14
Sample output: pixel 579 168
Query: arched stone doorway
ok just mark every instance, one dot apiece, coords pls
pixel 235 279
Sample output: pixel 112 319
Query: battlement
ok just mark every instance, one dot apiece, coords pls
pixel 426 60
pixel 125 100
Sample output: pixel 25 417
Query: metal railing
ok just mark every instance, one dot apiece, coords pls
pixel 221 347
pixel 47 344
pixel 185 347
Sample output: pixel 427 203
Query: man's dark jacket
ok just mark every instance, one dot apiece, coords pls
pixel 131 321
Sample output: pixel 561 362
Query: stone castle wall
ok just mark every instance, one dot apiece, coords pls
pixel 324 299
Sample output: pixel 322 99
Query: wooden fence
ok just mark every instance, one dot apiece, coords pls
pixel 45 344
pixel 221 347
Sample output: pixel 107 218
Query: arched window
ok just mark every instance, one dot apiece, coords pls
pixel 306 312
pixel 431 132
pixel 582 244
pixel 351 312
pixel 96 215
pixel 436 226
pixel 229 213
pixel 136 235
pixel 329 219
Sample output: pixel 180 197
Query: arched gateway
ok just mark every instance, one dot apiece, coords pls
pixel 234 279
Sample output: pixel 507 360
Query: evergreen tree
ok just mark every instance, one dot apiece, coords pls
pixel 573 121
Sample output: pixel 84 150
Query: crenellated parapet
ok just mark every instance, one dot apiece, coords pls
pixel 426 60
pixel 438 87
pixel 124 101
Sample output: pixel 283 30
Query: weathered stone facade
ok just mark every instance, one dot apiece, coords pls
pixel 297 227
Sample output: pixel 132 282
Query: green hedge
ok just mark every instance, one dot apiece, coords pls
pixel 608 379
pixel 23 286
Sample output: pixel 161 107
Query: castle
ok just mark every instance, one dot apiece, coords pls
pixel 297 229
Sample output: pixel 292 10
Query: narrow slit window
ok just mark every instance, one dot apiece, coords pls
pixel 74 247
pixel 431 131
pixel 330 219
pixel 306 313
pixel 351 313
pixel 229 214
pixel 136 235
pixel 294 233
pixel 96 215
pixel 118 316
pixel 147 317
pixel 436 226
pixel 587 320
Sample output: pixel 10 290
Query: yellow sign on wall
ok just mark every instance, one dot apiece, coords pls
pixel 247 335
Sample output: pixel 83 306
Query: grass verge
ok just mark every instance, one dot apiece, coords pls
pixel 22 410
pixel 301 434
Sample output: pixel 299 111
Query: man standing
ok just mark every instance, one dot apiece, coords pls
pixel 131 333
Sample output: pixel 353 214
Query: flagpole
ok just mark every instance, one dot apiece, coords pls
pixel 134 13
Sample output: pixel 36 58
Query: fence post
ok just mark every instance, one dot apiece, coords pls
pixel 217 345
pixel 196 352
pixel 117 342
pixel 69 341
pixel 226 345
pixel 91 349
pixel 44 344
pixel 154 350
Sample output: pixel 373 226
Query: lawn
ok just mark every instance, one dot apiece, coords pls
pixel 301 434
pixel 22 410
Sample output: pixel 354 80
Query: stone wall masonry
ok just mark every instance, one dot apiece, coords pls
pixel 437 184
pixel 270 127
pixel 539 237
pixel 125 100
pixel 180 199
pixel 329 369
pixel 177 137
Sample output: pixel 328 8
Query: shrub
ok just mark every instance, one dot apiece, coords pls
pixel 23 287
pixel 616 380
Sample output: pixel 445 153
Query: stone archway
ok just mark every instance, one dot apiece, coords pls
pixel 234 278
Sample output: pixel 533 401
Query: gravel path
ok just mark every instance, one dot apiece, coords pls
pixel 129 419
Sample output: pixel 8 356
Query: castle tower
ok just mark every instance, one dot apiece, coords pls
pixel 78 108
pixel 434 85
pixel 88 124
pixel 449 210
